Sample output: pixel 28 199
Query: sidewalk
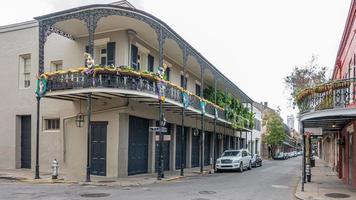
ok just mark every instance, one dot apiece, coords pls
pixel 27 176
pixel 324 185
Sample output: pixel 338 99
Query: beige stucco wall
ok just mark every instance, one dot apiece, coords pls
pixel 68 145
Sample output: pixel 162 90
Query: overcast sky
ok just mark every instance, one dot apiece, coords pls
pixel 255 43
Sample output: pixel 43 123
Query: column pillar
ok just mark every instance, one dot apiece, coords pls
pixel 151 149
pixel 172 146
pixel 202 135
pixel 87 179
pixel 184 84
pixel 189 148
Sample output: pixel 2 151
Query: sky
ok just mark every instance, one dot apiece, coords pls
pixel 255 43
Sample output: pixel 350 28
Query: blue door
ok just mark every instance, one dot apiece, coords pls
pixel 207 148
pixel 26 142
pixel 138 145
pixel 179 146
pixel 98 148
pixel 195 150
pixel 165 150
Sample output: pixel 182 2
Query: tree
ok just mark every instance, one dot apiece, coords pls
pixel 275 134
pixel 305 77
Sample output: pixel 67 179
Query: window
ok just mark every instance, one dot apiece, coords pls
pixel 103 56
pixel 51 124
pixel 56 65
pixel 167 73
pixel 257 125
pixel 197 89
pixel 181 81
pixel 25 71
pixel 150 60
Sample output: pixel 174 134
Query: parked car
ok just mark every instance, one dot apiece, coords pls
pixel 280 156
pixel 256 160
pixel 300 153
pixel 234 160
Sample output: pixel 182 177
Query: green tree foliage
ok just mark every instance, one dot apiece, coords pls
pixel 275 133
pixel 307 76
pixel 236 113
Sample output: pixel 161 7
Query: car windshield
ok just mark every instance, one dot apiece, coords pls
pixel 230 153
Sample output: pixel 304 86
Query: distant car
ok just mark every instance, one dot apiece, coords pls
pixel 300 153
pixel 256 160
pixel 234 160
pixel 280 156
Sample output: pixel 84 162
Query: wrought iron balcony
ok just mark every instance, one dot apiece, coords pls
pixel 332 95
pixel 135 81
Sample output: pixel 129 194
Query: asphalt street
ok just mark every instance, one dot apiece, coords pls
pixel 275 180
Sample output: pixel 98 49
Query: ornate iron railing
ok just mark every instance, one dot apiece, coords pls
pixel 79 80
pixel 335 94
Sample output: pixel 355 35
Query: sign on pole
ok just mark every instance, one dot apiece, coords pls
pixel 157 129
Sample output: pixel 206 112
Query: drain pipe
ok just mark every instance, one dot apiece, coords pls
pixel 119 108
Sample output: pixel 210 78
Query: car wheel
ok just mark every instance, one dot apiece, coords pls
pixel 241 169
pixel 249 166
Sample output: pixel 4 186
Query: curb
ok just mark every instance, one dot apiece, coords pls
pixel 47 181
pixel 174 178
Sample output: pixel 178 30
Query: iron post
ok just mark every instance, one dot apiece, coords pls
pixel 87 178
pixel 37 167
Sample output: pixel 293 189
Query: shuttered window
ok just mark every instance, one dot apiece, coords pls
pixel 110 55
pixel 150 59
pixel 134 52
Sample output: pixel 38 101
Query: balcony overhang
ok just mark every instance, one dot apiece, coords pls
pixel 332 120
pixel 148 99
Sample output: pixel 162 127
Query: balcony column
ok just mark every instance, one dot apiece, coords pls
pixel 161 39
pixel 42 36
pixel 215 118
pixel 91 22
pixel 184 84
pixel 202 135
pixel 87 178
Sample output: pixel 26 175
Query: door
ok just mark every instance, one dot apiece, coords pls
pixel 195 150
pixel 26 142
pixel 207 148
pixel 138 145
pixel 179 146
pixel 225 142
pixel 98 148
pixel 217 146
pixel 165 150
pixel 232 144
pixel 350 157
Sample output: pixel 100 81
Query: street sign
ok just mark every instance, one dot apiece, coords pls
pixel 165 137
pixel 313 131
pixel 157 129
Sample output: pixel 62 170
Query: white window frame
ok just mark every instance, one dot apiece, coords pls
pixel 53 120
pixel 55 64
pixel 24 75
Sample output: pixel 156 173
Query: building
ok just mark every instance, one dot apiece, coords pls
pixel 289 144
pixel 328 113
pixel 96 119
pixel 255 140
pixel 290 121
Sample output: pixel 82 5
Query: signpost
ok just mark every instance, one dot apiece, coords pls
pixel 158 129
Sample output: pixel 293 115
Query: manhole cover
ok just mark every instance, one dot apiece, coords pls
pixel 107 181
pixel 337 195
pixel 207 192
pixel 95 195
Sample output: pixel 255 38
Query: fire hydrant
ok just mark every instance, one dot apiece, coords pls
pixel 55 167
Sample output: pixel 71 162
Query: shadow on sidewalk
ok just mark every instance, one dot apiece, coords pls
pixel 325 185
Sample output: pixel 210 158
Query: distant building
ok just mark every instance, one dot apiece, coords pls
pixel 290 121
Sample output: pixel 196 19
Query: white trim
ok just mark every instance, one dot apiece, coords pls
pixel 18 26
pixel 101 42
